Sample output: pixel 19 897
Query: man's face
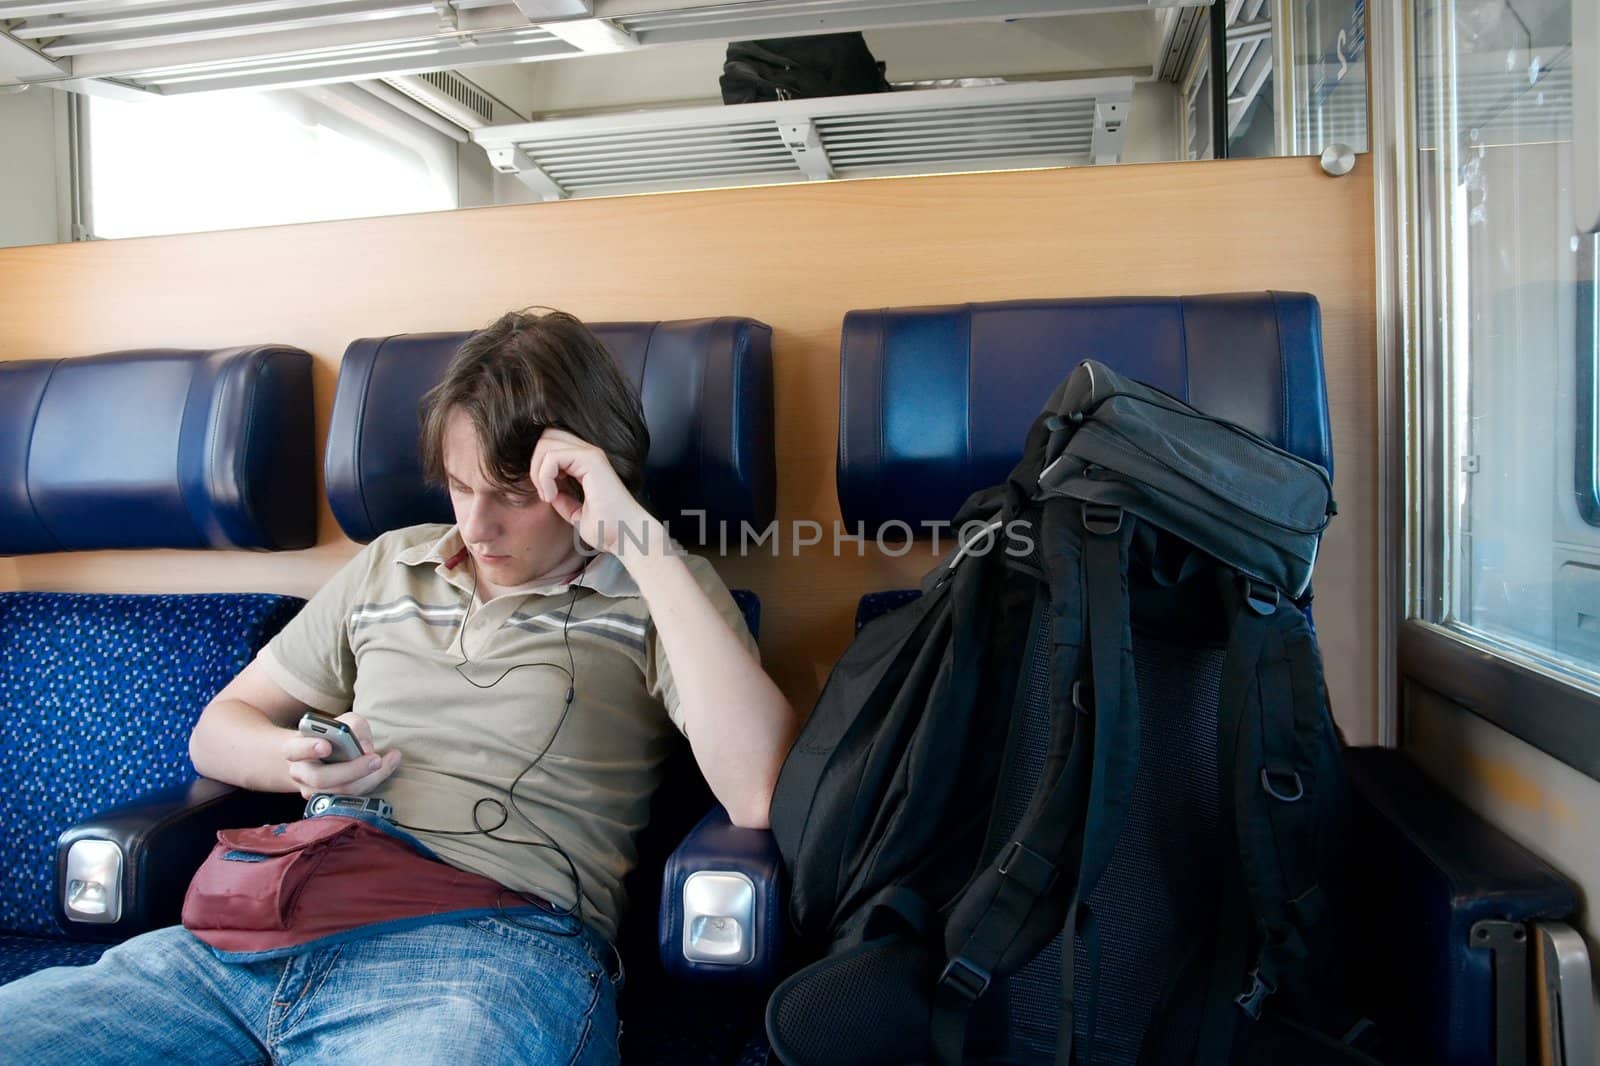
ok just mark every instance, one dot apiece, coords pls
pixel 513 537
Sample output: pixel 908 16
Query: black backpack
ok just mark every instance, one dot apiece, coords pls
pixel 1082 800
pixel 790 68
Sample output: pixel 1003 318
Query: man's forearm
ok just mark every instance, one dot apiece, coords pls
pixel 235 743
pixel 739 723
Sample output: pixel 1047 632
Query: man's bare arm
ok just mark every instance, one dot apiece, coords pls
pixel 739 724
pixel 248 736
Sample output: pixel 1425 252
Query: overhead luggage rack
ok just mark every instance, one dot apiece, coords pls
pixel 927 131
pixel 185 46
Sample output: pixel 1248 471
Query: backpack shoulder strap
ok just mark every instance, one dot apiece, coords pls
pixel 1116 702
pixel 1273 794
pixel 1293 791
pixel 1016 904
pixel 1247 635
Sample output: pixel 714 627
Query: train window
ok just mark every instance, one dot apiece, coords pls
pixel 1296 81
pixel 1503 427
pixel 1327 40
pixel 220 161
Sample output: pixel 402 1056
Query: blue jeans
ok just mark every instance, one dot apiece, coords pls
pixel 456 992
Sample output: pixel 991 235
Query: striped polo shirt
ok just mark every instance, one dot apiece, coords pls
pixel 470 697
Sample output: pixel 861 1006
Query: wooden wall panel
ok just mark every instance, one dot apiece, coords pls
pixel 797 257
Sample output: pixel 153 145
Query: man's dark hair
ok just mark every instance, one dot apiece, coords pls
pixel 531 371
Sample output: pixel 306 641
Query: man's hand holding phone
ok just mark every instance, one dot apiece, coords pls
pixel 337 755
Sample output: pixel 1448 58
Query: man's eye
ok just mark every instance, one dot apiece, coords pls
pixel 517 499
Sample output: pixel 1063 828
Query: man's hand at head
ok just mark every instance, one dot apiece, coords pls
pixel 356 777
pixel 606 507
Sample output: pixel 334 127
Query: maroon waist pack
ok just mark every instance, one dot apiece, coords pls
pixel 284 885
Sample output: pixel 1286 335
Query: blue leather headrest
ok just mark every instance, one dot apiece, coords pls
pixel 706 386
pixel 935 402
pixel 158 448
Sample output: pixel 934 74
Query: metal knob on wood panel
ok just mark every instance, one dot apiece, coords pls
pixel 1338 159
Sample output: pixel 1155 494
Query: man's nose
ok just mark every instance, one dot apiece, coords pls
pixel 480 522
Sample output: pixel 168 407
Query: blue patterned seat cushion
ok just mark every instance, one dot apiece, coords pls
pixel 21 955
pixel 98 694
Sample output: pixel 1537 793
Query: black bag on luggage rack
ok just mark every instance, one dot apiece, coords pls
pixel 792 68
pixel 1081 801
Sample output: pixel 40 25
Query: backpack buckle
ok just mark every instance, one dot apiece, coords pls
pixel 1252 998
pixel 1082 697
pixel 1260 597
pixel 1057 422
pixel 1028 868
pixel 963 980
pixel 1299 788
pixel 1101 519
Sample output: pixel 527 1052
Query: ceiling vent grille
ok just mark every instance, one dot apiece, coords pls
pixel 454 98
pixel 462 92
pixel 918 132
pixel 1055 132
pixel 691 156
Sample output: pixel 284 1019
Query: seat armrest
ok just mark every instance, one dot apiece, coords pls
pixel 722 904
pixel 141 855
pixel 1424 871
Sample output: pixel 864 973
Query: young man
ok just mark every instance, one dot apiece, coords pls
pixel 513 681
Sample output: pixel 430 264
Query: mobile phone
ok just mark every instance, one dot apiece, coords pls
pixel 345 744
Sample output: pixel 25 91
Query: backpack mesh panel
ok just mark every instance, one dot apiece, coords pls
pixel 854 1007
pixel 1033 992
pixel 1027 757
pixel 1159 890
pixel 1035 1005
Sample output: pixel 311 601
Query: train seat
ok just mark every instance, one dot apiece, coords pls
pixel 98 692
pixel 706 388
pixel 935 403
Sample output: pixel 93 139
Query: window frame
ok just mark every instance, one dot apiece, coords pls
pixel 1586 456
pixel 1554 715
pixel 1531 697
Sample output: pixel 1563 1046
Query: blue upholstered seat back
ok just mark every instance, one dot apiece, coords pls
pixel 935 401
pixel 158 448
pixel 98 694
pixel 706 388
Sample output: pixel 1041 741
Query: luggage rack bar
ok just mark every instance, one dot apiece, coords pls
pixel 183 46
